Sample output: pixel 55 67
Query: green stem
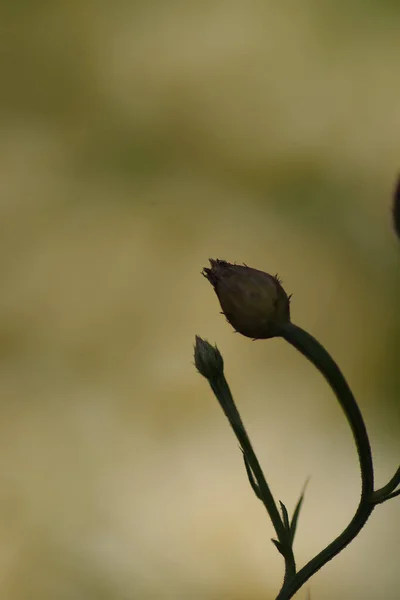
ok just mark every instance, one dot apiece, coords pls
pixel 221 390
pixel 316 353
pixel 386 491
pixel 388 497
pixel 320 358
pixel 290 587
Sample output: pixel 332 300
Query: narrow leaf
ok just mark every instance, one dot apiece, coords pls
pixel 285 516
pixel 250 475
pixel 279 546
pixel 296 513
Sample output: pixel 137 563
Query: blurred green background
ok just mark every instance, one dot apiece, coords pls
pixel 138 139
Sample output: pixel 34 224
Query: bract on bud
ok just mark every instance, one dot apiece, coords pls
pixel 208 359
pixel 254 302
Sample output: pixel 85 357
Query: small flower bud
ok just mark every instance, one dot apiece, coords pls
pixel 254 302
pixel 208 359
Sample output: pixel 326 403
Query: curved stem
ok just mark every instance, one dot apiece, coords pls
pixel 320 358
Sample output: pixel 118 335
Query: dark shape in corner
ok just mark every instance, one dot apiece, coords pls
pixel 396 208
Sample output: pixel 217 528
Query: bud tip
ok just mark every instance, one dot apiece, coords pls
pixel 207 359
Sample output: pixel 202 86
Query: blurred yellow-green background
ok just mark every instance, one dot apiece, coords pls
pixel 138 139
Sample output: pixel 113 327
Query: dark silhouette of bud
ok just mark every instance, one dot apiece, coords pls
pixel 208 359
pixel 254 302
pixel 396 208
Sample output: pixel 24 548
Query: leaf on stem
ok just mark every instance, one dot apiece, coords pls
pixel 279 546
pixel 250 475
pixel 296 513
pixel 285 516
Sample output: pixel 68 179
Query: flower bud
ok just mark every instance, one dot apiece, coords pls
pixel 208 359
pixel 254 302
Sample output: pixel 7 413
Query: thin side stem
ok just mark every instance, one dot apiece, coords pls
pixel 388 497
pixel 386 491
pixel 221 390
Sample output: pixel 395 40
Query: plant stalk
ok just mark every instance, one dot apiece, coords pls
pixel 320 358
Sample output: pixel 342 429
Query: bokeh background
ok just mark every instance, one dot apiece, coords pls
pixel 138 139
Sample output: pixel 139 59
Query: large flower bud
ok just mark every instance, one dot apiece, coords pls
pixel 254 302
